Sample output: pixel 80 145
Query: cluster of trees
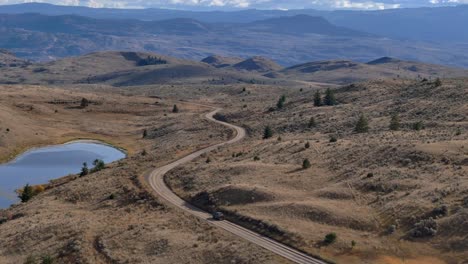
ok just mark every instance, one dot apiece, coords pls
pixel 28 192
pixel 150 60
pixel 98 165
pixel 362 125
pixel 328 100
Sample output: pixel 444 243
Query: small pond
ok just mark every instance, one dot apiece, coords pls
pixel 40 165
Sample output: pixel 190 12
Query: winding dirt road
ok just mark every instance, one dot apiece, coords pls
pixel 156 180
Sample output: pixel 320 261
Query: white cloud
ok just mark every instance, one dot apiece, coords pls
pixel 261 4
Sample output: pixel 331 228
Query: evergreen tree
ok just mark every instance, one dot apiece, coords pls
pixel 311 123
pixel 281 102
pixel 306 164
pixel 438 82
pixel 395 123
pixel 267 133
pixel 84 170
pixel 26 194
pixel 330 238
pixel 362 126
pixel 418 126
pixel 98 165
pixel 307 145
pixel 145 133
pixel 329 98
pixel 175 109
pixel 317 99
pixel 84 103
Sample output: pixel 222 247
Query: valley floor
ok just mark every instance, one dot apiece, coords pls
pixel 377 191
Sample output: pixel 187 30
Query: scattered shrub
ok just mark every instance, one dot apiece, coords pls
pixel 145 133
pixel 47 260
pixel 333 139
pixel 220 117
pixel 440 211
pixel 418 126
pixel 38 189
pixel 307 145
pixel 424 228
pixel 29 260
pixel 306 164
pixel 330 238
pixel 256 158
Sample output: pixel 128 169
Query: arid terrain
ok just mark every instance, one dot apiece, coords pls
pixel 390 196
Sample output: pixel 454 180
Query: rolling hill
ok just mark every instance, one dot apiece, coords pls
pixel 346 71
pixel 123 68
pixel 8 59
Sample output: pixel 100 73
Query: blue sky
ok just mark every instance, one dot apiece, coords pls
pixel 260 4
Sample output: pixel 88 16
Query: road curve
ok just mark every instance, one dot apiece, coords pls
pixel 156 181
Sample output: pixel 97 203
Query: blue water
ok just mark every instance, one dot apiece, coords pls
pixel 40 165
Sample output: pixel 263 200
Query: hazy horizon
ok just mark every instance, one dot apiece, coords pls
pixel 197 5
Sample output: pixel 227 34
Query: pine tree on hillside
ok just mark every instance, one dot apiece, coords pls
pixel 26 194
pixel 311 123
pixel 281 102
pixel 362 126
pixel 267 133
pixel 317 99
pixel 395 123
pixel 329 98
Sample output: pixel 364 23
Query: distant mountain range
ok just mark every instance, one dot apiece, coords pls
pixel 289 37
pixel 441 24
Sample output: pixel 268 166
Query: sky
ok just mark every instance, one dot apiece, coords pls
pixel 244 4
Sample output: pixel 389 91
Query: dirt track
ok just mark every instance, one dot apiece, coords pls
pixel 156 180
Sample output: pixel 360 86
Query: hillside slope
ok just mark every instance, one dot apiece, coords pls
pixel 345 71
pixel 130 69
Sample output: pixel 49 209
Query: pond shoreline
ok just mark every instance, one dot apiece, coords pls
pixel 41 165
pixel 26 150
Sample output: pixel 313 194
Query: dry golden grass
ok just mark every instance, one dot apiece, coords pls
pixel 109 216
pixel 359 187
